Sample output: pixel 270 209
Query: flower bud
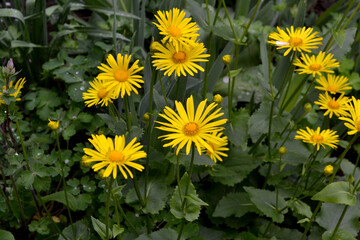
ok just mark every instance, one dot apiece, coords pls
pixel 101 173
pixel 146 117
pixel 307 107
pixel 53 125
pixel 100 132
pixel 217 99
pixel 226 59
pixel 83 161
pixel 328 170
pixel 282 150
pixel 154 46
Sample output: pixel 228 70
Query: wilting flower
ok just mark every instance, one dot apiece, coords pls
pixel 325 137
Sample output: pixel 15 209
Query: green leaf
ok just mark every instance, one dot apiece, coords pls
pixel 81 232
pixel 163 234
pixel 52 64
pixel 27 178
pixel 117 230
pixel 340 52
pixel 330 214
pixel 265 201
pixel 337 192
pixel 69 131
pixel 301 12
pixel 299 207
pixel 13 13
pixel 191 210
pixel 18 43
pixel 41 226
pixel 237 204
pixel 341 234
pixel 157 196
pixel 6 235
pixel 339 36
pixel 76 90
pixel 100 228
pixel 236 130
pixel 80 202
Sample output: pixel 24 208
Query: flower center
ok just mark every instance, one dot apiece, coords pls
pixel 333 104
pixel 296 41
pixel 212 147
pixel 191 129
pixel 357 125
pixel 175 31
pixel 332 88
pixel 179 57
pixel 116 156
pixel 315 67
pixel 121 75
pixel 317 138
pixel 102 93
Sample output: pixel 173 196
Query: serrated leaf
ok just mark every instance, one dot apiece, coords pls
pixel 337 192
pixel 191 210
pixel 27 178
pixel 265 201
pixel 339 36
pixel 156 196
pixel 81 232
pixel 237 204
pixel 80 202
pixel 236 130
pixel 163 234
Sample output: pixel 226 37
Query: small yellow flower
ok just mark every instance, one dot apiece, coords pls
pixel 316 65
pixel 333 84
pixel 18 86
pixel 353 120
pixel 328 170
pixel 218 147
pixel 218 99
pixel 176 29
pixel 300 39
pixel 226 59
pixel 282 150
pixel 333 105
pixel 325 137
pixel 114 154
pixel 53 125
pixel 118 77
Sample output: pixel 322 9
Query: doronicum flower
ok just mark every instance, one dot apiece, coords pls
pixel 325 137
pixel 328 170
pixel 333 105
pixel 333 84
pixel 18 86
pixel 176 29
pixel 118 77
pixel 53 125
pixel 180 62
pixel 316 65
pixel 300 39
pixel 218 147
pixel 353 120
pixel 114 154
pixel 189 127
pixel 98 94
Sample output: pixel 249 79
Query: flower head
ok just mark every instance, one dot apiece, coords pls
pixel 300 39
pixel 218 147
pixel 316 64
pixel 53 125
pixel 182 61
pixel 226 59
pixel 189 126
pixel 333 84
pixel 217 99
pixel 98 94
pixel 328 170
pixel 18 86
pixel 325 137
pixel 282 150
pixel 353 120
pixel 114 154
pixel 176 29
pixel 333 105
pixel 118 77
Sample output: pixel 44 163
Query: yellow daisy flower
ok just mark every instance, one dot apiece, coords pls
pixel 353 120
pixel 114 155
pixel 176 29
pixel 189 126
pixel 325 137
pixel 332 105
pixel 119 77
pixel 18 86
pixel 182 61
pixel 300 39
pixel 218 148
pixel 333 84
pixel 53 125
pixel 316 64
pixel 98 94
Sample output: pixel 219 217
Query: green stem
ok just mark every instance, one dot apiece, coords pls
pixel 107 208
pixel 64 184
pixel 339 222
pixel 229 93
pixel 114 28
pixel 18 200
pixel 231 25
pixel 178 176
pixel 113 111
pixel 116 210
pixel 127 114
pixel 237 52
pixel 277 188
pixel 308 225
pixel 117 203
pixel 251 20
pixel 163 91
pixel 207 11
pixel 207 66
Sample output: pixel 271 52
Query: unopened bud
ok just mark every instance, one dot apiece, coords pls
pixel 307 107
pixel 53 125
pixel 328 170
pixel 282 150
pixel 100 132
pixel 84 162
pixel 101 173
pixel 217 99
pixel 226 59
pixel 154 46
pixel 146 117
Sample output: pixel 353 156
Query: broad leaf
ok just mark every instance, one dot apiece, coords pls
pixel 80 202
pixel 237 204
pixel 299 207
pixel 163 234
pixel 100 228
pixel 81 232
pixel 337 192
pixel 236 130
pixel 6 235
